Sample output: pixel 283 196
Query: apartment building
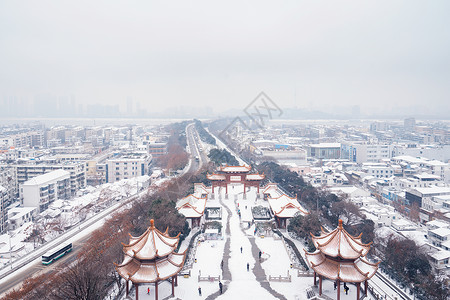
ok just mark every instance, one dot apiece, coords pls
pixel 77 170
pixel 157 149
pixel 127 166
pixel 42 190
pixel 3 214
pixel 8 181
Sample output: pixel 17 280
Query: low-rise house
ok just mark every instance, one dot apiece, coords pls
pixel 438 236
pixel 19 215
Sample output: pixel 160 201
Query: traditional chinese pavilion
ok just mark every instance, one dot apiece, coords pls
pixel 235 174
pixel 193 208
pixel 341 257
pixel 282 206
pixel 151 258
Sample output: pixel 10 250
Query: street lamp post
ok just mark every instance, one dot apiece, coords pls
pixel 10 255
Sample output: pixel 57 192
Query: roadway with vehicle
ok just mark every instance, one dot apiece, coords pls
pixel 31 264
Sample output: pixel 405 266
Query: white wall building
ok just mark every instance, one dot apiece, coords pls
pixel 19 215
pixel 361 153
pixel 438 236
pixel 77 170
pixel 128 166
pixel 44 189
pixel 379 170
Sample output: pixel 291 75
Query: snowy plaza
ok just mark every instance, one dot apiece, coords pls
pixel 269 277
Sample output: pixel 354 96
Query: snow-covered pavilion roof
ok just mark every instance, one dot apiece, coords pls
pixel 255 176
pixel 348 271
pixel 151 244
pixel 235 169
pixel 272 190
pixel 151 257
pixel 286 207
pixel 147 272
pixel 215 176
pixel 339 243
pixel 192 206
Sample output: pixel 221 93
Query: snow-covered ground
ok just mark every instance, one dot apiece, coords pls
pixel 244 284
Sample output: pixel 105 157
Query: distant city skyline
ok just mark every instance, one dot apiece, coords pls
pixel 383 56
pixel 52 106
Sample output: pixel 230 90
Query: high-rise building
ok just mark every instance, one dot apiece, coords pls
pixel 409 124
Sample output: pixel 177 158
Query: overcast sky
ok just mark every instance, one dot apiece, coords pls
pixel 223 53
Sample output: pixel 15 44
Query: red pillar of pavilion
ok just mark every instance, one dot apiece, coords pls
pixel 320 285
pixel 315 280
pixel 173 286
pixel 245 188
pixel 338 290
pixel 126 293
pixel 156 290
pixel 137 291
pixel 366 287
pixel 358 289
pixel 176 280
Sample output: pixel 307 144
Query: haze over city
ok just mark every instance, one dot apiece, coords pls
pixel 377 58
pixel 225 150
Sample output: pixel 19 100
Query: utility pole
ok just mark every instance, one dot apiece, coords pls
pixel 10 255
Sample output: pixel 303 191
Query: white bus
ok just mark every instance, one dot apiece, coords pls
pixel 56 253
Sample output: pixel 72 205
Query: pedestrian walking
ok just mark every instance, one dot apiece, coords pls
pixel 346 290
pixel 248 267
pixel 220 287
pixel 221 265
pixel 335 285
pixel 148 291
pixel 199 291
pixel 260 253
pixel 241 249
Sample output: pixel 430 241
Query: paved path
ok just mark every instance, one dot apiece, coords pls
pixel 226 274
pixel 237 261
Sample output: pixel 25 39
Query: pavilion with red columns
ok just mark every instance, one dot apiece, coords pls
pixel 151 258
pixel 235 174
pixel 342 258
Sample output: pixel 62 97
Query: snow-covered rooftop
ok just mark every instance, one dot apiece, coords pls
pixel 48 177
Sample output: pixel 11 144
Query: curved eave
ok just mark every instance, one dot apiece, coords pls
pixel 133 269
pixel 279 214
pixel 343 271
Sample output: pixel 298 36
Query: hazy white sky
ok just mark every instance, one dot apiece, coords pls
pixel 223 53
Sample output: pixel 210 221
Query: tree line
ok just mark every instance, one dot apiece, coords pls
pixel 176 157
pixel 204 135
pixel 221 156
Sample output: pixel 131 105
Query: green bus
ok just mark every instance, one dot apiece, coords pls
pixel 56 253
